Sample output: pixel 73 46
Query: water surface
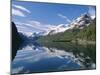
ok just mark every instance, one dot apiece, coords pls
pixel 32 58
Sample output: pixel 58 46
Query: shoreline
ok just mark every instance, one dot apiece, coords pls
pixel 79 41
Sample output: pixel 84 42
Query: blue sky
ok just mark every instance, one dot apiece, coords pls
pixel 36 17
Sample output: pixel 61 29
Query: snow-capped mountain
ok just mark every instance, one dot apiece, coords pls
pixel 52 30
pixel 80 22
pixel 58 29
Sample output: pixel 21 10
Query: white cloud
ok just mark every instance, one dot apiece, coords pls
pixel 17 13
pixel 24 28
pixel 36 26
pixel 21 8
pixel 32 26
pixel 64 17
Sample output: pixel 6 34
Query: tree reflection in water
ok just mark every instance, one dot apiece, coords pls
pixel 59 56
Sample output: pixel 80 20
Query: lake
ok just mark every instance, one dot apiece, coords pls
pixel 35 58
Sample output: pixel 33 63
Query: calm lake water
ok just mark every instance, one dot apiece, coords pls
pixel 33 58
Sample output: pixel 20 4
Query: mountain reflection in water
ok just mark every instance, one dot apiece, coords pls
pixel 33 58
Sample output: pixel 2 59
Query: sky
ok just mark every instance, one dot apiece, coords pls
pixel 31 17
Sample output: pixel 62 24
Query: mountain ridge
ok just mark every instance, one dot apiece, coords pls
pixel 79 23
pixel 88 33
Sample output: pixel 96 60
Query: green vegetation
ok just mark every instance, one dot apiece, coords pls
pixel 88 33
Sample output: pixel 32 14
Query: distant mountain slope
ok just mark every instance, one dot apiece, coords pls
pixel 80 22
pixel 87 33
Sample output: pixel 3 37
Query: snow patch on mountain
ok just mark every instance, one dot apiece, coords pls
pixel 58 29
pixel 81 22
